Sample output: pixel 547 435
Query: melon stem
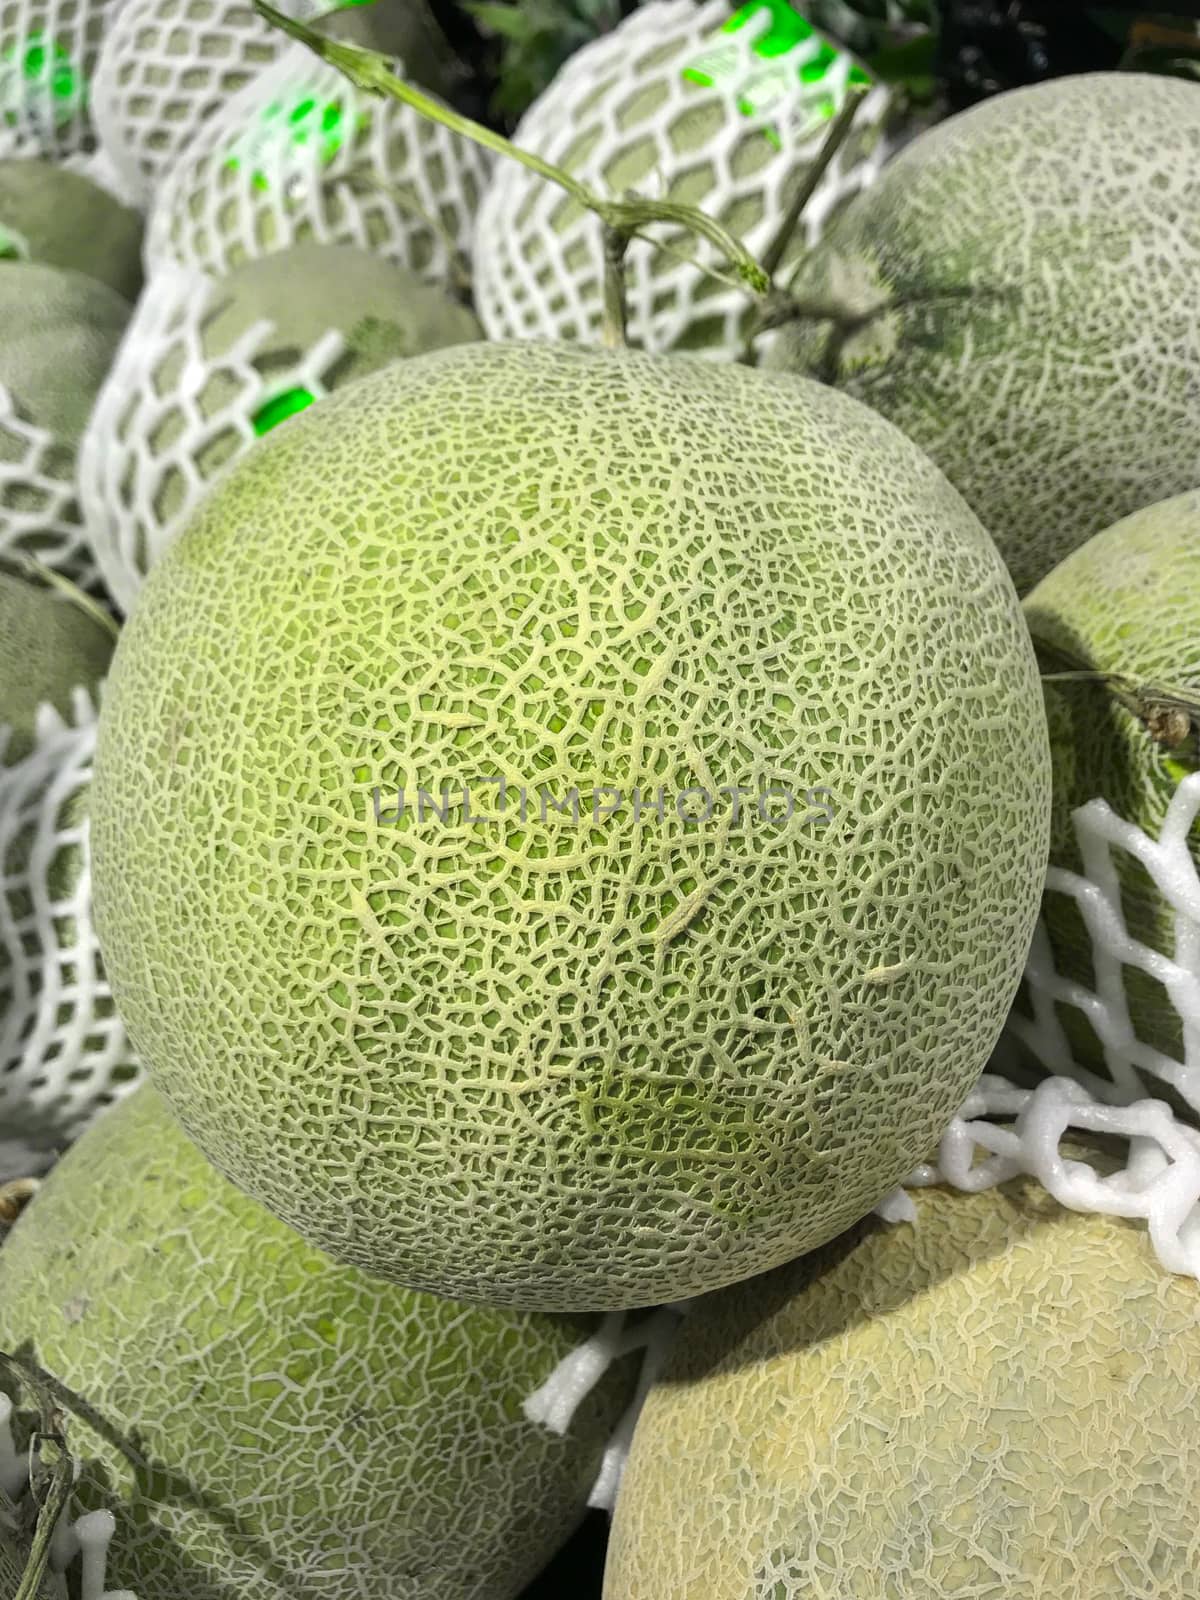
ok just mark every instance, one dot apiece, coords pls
pixel 14 1197
pixel 839 130
pixel 630 215
pixel 52 1480
pixel 616 324
pixel 1170 713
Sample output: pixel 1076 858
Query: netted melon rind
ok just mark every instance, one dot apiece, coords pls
pixel 275 1426
pixel 58 333
pixel 379 176
pixel 1126 603
pixel 555 1064
pixel 64 1053
pixel 203 356
pixel 1040 249
pixel 996 1400
pixel 64 219
pixel 622 113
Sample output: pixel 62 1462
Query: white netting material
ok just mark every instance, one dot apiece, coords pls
pixel 39 509
pixel 1003 1129
pixel 48 51
pixel 1161 1179
pixel 85 1540
pixel 64 1053
pixel 166 66
pixel 139 439
pixel 539 266
pixel 299 154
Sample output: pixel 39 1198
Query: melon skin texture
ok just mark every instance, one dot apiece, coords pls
pixel 59 331
pixel 1128 603
pixel 571 1062
pixel 158 436
pixel 61 218
pixel 265 1424
pixel 1024 272
pixel 998 1401
pixel 48 647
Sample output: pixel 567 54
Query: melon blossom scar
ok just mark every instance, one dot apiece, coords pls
pixel 489 800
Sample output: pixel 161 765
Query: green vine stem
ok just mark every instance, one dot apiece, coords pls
pixel 839 130
pixel 628 216
pixel 52 1479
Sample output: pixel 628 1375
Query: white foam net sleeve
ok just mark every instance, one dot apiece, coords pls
pixel 1005 1129
pixel 299 154
pixel 166 66
pixel 64 1053
pixel 555 1403
pixel 144 437
pixel 625 103
pixel 39 507
pixel 85 1540
pixel 48 51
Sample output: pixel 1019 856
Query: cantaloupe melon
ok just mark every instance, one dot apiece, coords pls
pixel 58 333
pixel 49 645
pixel 1127 604
pixel 998 1401
pixel 1022 277
pixel 48 51
pixel 299 154
pixel 63 1052
pixel 166 66
pixel 194 384
pixel 63 219
pixel 590 1055
pixel 267 1425
pixel 714 105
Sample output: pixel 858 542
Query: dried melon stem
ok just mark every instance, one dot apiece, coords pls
pixel 1169 712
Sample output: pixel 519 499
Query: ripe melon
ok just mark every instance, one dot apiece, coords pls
pixel 58 333
pixel 1022 277
pixel 299 154
pixel 49 645
pixel 48 51
pixel 1127 603
pixel 997 1401
pixel 572 1059
pixel 718 106
pixel 265 1424
pixel 166 66
pixel 208 365
pixel 64 220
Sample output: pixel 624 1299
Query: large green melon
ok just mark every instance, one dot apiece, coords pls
pixel 580 1057
pixel 1127 605
pixel 61 218
pixel 998 1401
pixel 1023 276
pixel 200 376
pixel 59 331
pixel 49 645
pixel 267 1425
